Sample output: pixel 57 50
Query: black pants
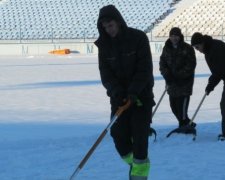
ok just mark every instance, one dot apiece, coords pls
pixel 179 107
pixel 222 108
pixel 130 131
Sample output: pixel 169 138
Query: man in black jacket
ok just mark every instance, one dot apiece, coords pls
pixel 177 66
pixel 126 70
pixel 214 51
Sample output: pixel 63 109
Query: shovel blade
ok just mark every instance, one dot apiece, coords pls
pixel 151 132
pixel 184 130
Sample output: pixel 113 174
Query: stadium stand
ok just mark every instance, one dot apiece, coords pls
pixel 206 16
pixel 72 19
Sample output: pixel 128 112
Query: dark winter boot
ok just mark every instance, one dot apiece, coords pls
pixel 193 124
pixel 181 123
pixel 187 122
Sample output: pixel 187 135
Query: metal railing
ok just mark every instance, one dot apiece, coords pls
pixel 64 36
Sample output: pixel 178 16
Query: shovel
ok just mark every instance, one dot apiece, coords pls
pixel 188 129
pixel 151 130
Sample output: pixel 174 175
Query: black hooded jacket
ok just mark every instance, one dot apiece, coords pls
pixel 214 51
pixel 125 62
pixel 177 66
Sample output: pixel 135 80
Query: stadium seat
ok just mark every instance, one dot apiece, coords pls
pixel 36 16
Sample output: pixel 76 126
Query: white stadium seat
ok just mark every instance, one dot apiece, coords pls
pixel 34 18
pixel 206 16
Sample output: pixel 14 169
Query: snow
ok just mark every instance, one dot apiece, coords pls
pixel 54 108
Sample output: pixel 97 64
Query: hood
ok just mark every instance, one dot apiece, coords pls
pixel 109 11
pixel 207 40
pixel 181 42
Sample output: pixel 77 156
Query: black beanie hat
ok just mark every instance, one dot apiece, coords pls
pixel 175 31
pixel 197 38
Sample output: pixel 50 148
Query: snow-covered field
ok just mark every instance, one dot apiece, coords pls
pixel 52 110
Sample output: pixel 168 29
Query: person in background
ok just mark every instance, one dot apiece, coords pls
pixel 126 71
pixel 214 51
pixel 177 66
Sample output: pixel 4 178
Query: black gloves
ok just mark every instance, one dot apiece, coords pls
pixel 168 81
pixel 134 100
pixel 209 88
pixel 117 95
pixel 119 99
pixel 130 99
pixel 212 83
pixel 168 78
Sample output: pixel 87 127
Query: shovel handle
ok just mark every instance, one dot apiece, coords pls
pixel 198 108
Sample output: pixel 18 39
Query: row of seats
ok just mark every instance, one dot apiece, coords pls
pixel 206 16
pixel 33 17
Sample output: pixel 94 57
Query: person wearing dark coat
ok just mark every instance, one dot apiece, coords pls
pixel 214 51
pixel 126 71
pixel 177 66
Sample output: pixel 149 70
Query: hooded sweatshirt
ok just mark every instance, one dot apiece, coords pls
pixel 214 51
pixel 125 62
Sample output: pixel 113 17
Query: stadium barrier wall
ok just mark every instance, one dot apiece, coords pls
pixel 75 48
